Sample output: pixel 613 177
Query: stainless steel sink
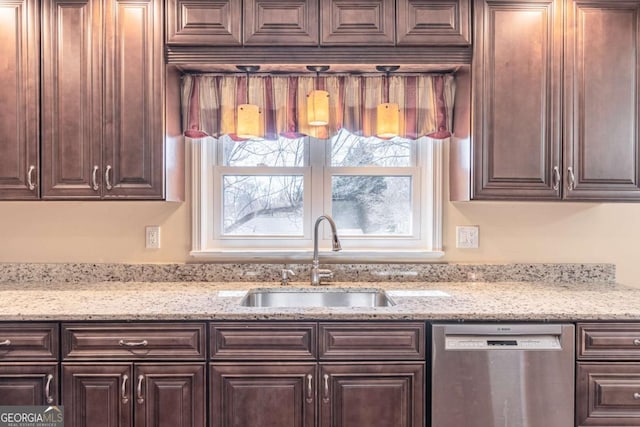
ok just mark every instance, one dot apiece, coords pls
pixel 316 298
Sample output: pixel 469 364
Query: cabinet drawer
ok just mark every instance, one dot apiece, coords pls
pixel 263 341
pixel 28 341
pixel 372 341
pixel 607 394
pixel 134 341
pixel 620 341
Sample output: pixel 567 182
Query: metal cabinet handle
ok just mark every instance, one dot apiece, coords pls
pixel 142 343
pixel 107 180
pixel 636 396
pixel 325 397
pixel 5 342
pixel 309 388
pixel 636 341
pixel 139 389
pixel 94 179
pixel 125 399
pixel 32 186
pixel 556 178
pixel 572 178
pixel 47 389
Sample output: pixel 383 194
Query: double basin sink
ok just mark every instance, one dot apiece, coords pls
pixel 275 297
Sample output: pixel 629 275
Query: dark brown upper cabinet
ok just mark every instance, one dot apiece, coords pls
pixel 339 24
pixel 272 22
pixel 601 93
pixel 421 22
pixel 102 99
pixel 357 22
pixel 19 92
pixel 540 133
pixel 516 99
pixel 204 22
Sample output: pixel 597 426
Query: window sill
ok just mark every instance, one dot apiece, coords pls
pixel 326 256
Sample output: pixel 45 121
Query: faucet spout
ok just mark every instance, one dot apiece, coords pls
pixel 318 274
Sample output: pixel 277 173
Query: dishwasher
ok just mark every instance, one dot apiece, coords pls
pixel 502 375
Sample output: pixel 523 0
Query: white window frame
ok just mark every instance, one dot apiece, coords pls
pixel 424 244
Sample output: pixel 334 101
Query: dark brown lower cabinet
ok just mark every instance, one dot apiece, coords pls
pixel 608 394
pixel 357 394
pixel 263 394
pixel 372 395
pixel 28 384
pixel 109 394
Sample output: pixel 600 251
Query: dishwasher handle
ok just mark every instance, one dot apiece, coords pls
pixel 503 329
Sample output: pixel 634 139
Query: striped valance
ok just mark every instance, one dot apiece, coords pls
pixel 209 103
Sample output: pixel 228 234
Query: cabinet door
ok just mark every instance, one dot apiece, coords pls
pixel 244 394
pixel 607 394
pixel 427 22
pixel 170 395
pixel 28 384
pixel 71 99
pixel 204 22
pixel 516 99
pixel 357 22
pixel 20 101
pixel 134 86
pixel 372 395
pixel 97 395
pixel 602 73
pixel 278 22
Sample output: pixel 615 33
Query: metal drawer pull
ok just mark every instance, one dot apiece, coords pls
pixel 5 342
pixel 636 396
pixel 636 341
pixel 32 186
pixel 107 181
pixel 94 179
pixel 125 399
pixel 325 398
pixel 139 389
pixel 556 178
pixel 572 178
pixel 47 389
pixel 309 388
pixel 142 343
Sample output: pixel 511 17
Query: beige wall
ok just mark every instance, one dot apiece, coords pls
pixel 509 232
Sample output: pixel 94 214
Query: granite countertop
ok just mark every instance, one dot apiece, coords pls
pixel 212 300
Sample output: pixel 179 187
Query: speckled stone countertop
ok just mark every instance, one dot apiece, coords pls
pixel 205 300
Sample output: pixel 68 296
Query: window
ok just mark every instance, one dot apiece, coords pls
pixel 258 199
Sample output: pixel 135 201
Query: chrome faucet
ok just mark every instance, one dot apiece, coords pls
pixel 317 273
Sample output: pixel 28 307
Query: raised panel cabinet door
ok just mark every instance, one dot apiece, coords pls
pixel 280 22
pixel 607 394
pixel 516 99
pixel 357 22
pixel 28 384
pixel 372 395
pixel 428 22
pixel 20 100
pixel 204 22
pixel 71 99
pixel 253 394
pixel 602 83
pixel 170 395
pixel 97 395
pixel 134 92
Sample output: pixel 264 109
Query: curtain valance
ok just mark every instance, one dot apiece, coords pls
pixel 209 103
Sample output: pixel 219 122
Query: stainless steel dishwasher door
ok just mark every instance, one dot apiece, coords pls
pixel 503 375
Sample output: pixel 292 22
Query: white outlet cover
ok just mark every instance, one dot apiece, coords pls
pixel 152 237
pixel 467 236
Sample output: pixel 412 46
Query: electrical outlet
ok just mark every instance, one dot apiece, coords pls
pixel 467 237
pixel 152 240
